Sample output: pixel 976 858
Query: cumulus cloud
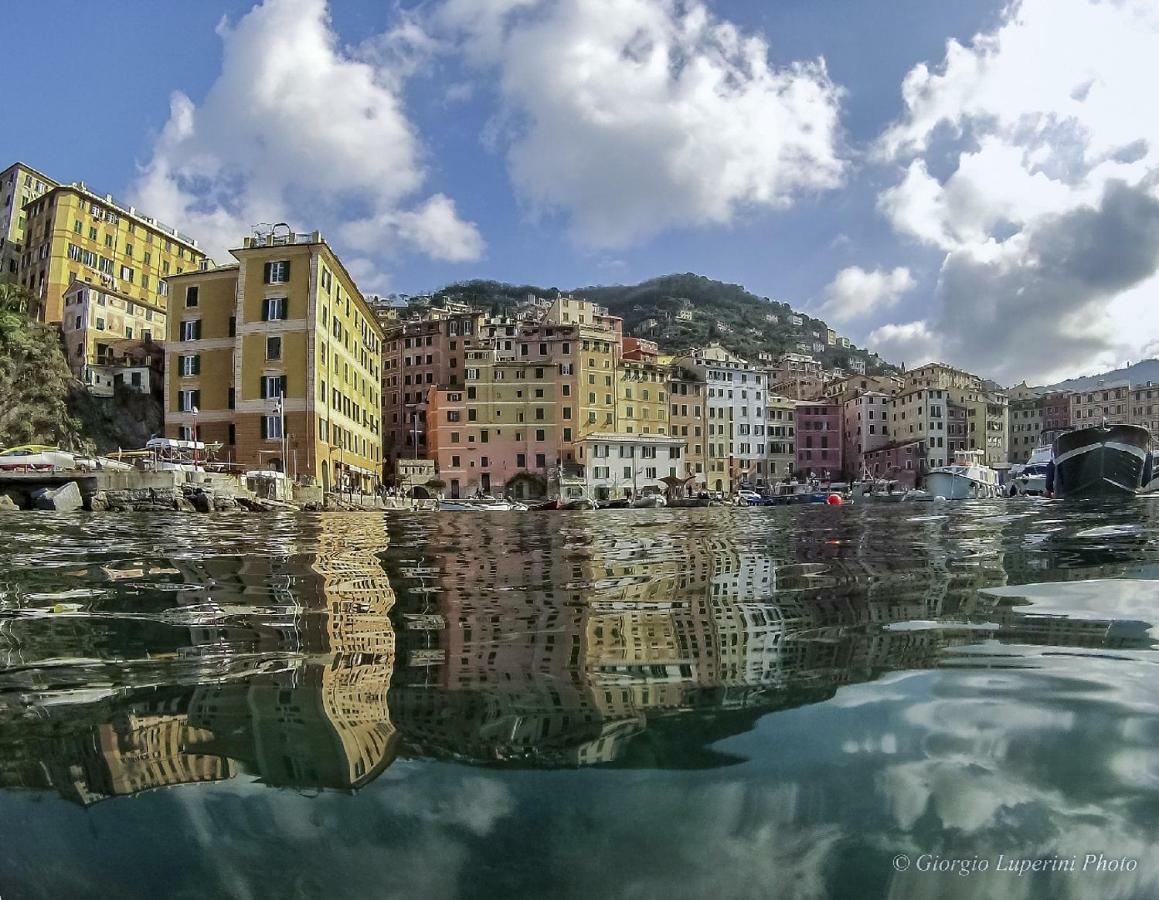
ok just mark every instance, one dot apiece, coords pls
pixel 855 292
pixel 912 343
pixel 636 116
pixel 1046 147
pixel 297 129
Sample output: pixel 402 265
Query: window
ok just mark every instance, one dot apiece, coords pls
pixel 271 428
pixel 277 272
pixel 126 274
pixel 541 460
pixel 273 386
pixel 187 401
pixel 100 324
pixel 190 330
pixel 273 348
pixel 274 309
pixel 540 434
pixel 191 293
pixel 190 365
pixel 521 460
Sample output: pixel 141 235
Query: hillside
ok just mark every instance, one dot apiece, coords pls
pixel 682 311
pixel 35 385
pixel 1142 372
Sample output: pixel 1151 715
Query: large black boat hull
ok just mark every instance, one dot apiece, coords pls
pixel 1101 461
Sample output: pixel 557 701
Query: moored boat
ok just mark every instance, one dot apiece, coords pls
pixel 1030 479
pixel 36 458
pixel 1100 460
pixel 966 478
pixel 649 501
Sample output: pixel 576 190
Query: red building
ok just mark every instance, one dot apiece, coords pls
pixel 819 439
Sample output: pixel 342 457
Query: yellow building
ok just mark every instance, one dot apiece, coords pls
pixel 643 400
pixel 285 323
pixel 19 186
pixel 99 325
pixel 72 234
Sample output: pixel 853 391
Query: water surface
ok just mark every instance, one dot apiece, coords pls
pixel 809 702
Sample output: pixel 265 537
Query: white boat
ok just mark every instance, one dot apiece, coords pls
pixel 1030 479
pixel 475 504
pixel 649 501
pixel 966 478
pixel 36 458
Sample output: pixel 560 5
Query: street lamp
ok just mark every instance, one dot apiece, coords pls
pixel 194 410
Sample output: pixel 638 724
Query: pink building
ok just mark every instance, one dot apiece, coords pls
pixel 1056 411
pixel 897 462
pixel 819 439
pixel 416 357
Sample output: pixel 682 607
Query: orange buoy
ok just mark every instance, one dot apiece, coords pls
pixel 834 500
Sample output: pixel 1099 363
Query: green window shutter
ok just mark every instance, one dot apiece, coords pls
pixel 265 429
pixel 197 330
pixel 266 278
pixel 265 310
pixel 287 265
pixel 197 364
pixel 197 399
pixel 283 385
pixel 264 396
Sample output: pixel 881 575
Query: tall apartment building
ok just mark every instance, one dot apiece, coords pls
pixel 921 412
pixel 736 415
pixel 420 356
pixel 819 440
pixel 278 358
pixel 865 428
pixel 19 186
pixel 502 429
pixel 72 234
pixel 781 442
pixel 643 390
pixel 688 418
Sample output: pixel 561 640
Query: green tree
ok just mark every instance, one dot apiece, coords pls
pixel 35 381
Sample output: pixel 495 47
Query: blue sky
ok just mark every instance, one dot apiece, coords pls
pixel 541 141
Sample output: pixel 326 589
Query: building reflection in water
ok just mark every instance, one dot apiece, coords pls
pixel 306 650
pixel 599 640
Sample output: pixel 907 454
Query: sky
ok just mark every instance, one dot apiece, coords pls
pixel 975 182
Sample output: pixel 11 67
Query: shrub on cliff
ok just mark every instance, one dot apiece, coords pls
pixel 35 381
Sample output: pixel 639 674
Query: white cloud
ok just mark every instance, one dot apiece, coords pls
pixel 1047 146
pixel 636 116
pixel 855 292
pixel 912 343
pixel 295 129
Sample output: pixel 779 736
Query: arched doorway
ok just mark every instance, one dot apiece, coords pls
pixel 719 485
pixel 325 475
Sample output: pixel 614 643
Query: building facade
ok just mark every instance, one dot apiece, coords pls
pixel 72 234
pixel 818 440
pixel 865 428
pixel 278 358
pixel 626 465
pixel 101 327
pixel 19 186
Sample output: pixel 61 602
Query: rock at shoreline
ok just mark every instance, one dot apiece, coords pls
pixel 65 498
pixel 7 504
pixel 201 501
